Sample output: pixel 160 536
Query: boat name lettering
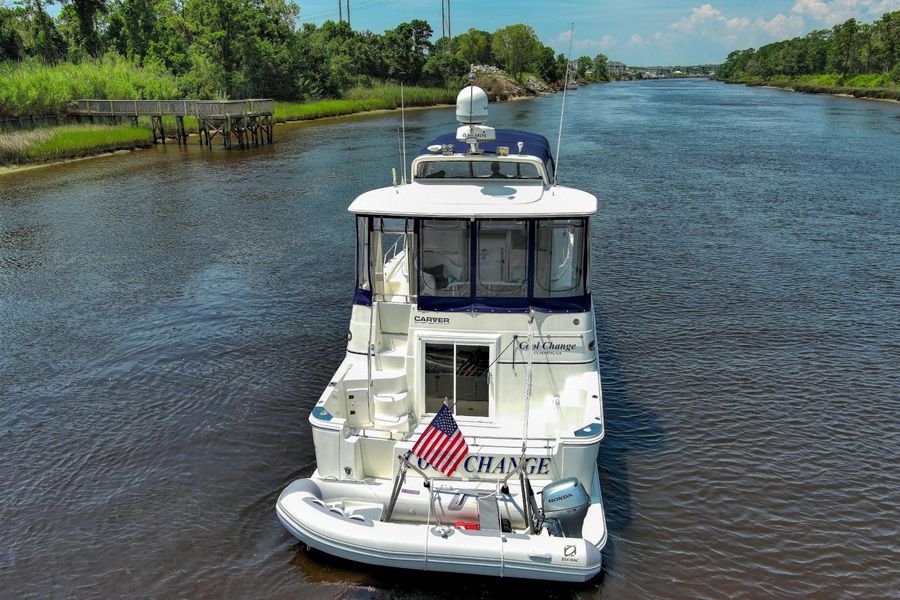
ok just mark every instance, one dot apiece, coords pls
pixel 548 347
pixel 421 319
pixel 499 464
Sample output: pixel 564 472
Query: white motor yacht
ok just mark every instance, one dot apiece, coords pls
pixel 472 320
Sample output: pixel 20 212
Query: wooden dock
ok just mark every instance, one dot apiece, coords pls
pixel 247 122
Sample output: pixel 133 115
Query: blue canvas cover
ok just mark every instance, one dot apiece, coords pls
pixel 535 144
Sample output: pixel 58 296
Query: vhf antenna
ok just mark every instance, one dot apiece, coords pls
pixel 562 112
pixel 403 128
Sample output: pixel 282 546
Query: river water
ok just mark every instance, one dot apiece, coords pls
pixel 168 318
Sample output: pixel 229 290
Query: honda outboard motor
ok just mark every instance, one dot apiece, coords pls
pixel 565 504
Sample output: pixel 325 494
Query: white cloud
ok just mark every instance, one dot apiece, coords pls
pixel 603 43
pixel 781 26
pixel 635 40
pixel 708 22
pixel 837 11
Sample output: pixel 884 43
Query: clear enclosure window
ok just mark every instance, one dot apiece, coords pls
pixel 476 169
pixel 502 259
pixel 458 375
pixel 362 253
pixel 445 258
pixel 559 269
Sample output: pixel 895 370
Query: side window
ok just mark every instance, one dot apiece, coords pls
pixel 560 258
pixel 502 259
pixel 362 253
pixel 444 268
pixel 387 248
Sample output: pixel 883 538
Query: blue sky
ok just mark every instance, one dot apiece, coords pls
pixel 637 32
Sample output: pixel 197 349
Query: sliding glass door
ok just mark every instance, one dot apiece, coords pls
pixel 457 373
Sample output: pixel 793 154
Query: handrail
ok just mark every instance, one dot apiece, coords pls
pixel 180 108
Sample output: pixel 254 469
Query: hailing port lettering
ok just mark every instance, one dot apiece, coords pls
pixel 548 347
pixel 499 465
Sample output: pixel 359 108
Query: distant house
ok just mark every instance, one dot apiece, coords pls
pixel 615 68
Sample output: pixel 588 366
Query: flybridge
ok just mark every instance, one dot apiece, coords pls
pixel 476 151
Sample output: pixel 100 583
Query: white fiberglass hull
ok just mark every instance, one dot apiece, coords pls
pixel 360 536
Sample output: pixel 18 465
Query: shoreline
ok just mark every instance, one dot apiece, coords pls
pixel 10 169
pixel 800 87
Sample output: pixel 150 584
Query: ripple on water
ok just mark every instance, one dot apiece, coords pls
pixel 170 317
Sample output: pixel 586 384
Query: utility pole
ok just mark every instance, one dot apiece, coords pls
pixel 348 13
pixel 340 14
pixel 445 20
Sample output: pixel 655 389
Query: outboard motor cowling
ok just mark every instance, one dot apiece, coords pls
pixel 565 504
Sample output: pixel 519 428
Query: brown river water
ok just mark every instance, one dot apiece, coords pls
pixel 169 317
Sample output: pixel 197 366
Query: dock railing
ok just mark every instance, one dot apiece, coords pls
pixel 174 108
pixel 250 121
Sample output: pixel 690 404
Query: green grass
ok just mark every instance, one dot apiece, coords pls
pixel 382 97
pixel 412 95
pixel 860 86
pixel 68 141
pixel 29 88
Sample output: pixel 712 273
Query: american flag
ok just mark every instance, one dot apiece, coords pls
pixel 442 444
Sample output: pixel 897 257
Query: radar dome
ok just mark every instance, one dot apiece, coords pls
pixel 472 105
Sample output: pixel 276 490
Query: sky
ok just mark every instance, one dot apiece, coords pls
pixel 636 32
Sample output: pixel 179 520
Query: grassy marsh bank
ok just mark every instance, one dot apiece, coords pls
pixel 68 141
pixel 30 88
pixel 829 84
pixel 359 99
pixel 49 144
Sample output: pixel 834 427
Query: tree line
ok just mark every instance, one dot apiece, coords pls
pixel 848 49
pixel 255 48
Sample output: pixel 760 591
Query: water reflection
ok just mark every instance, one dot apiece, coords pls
pixel 169 317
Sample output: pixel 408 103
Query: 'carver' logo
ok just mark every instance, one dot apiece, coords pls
pixel 569 551
pixel 431 320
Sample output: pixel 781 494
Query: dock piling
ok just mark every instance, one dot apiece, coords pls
pixel 249 121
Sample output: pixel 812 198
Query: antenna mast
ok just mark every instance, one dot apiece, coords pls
pixel 403 127
pixel 562 112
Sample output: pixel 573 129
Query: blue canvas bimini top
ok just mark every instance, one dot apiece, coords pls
pixel 535 144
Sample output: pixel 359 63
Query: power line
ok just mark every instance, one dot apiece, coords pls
pixel 332 13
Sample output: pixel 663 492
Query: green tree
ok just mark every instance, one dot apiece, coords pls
pixel 599 67
pixel 843 46
pixel 87 13
pixel 515 48
pixel 442 69
pixel 547 66
pixel 473 47
pixel 582 66
pixel 562 65
pixel 405 49
pixel 11 45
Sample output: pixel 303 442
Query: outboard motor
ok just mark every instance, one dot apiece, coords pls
pixel 565 504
